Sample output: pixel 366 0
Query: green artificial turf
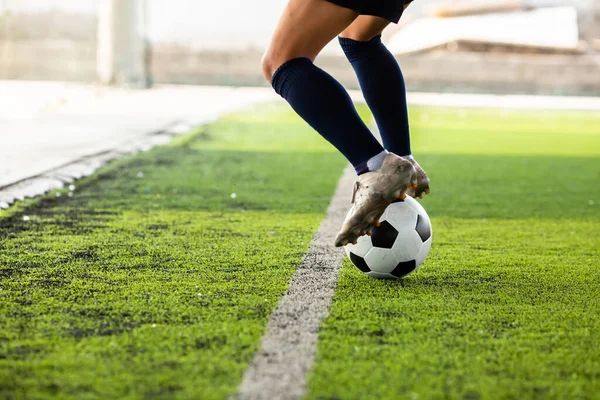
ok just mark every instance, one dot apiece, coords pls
pixel 156 279
pixel 507 305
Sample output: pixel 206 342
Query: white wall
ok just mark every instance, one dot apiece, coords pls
pixel 37 43
pixel 75 6
pixel 203 24
pixel 231 24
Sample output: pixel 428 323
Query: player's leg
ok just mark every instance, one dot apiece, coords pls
pixel 304 29
pixel 382 83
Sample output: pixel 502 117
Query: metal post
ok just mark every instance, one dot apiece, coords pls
pixel 121 58
pixel 596 29
pixel 587 20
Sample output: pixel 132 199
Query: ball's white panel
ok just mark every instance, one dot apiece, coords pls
pixel 423 253
pixel 385 213
pixel 381 260
pixel 401 216
pixel 415 205
pixel 361 248
pixel 380 275
pixel 408 244
pixel 426 246
pixel 393 209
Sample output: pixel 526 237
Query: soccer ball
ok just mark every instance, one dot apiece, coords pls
pixel 398 246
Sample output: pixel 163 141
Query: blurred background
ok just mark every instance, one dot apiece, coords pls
pixel 490 46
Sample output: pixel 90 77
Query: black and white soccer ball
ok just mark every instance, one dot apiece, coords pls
pixel 398 246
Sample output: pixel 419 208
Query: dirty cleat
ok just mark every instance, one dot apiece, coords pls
pixel 373 192
pixel 422 185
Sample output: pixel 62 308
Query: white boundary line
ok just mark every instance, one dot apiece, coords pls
pixel 280 369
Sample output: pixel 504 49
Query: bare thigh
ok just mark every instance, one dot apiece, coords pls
pixel 366 27
pixel 304 28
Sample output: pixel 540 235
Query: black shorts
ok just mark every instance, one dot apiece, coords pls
pixel 388 9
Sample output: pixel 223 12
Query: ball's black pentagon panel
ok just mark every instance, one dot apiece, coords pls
pixel 404 268
pixel 359 262
pixel 423 228
pixel 398 201
pixel 384 235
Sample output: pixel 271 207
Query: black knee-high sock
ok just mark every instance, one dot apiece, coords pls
pixel 322 102
pixel 382 84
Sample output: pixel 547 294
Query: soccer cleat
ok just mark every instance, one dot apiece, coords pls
pixel 422 185
pixel 373 192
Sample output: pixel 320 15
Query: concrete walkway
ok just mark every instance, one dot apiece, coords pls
pixel 58 132
pixel 53 133
pixel 45 125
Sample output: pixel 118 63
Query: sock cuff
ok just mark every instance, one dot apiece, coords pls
pixel 356 50
pixel 361 168
pixel 287 73
pixel 372 164
pixel 375 162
